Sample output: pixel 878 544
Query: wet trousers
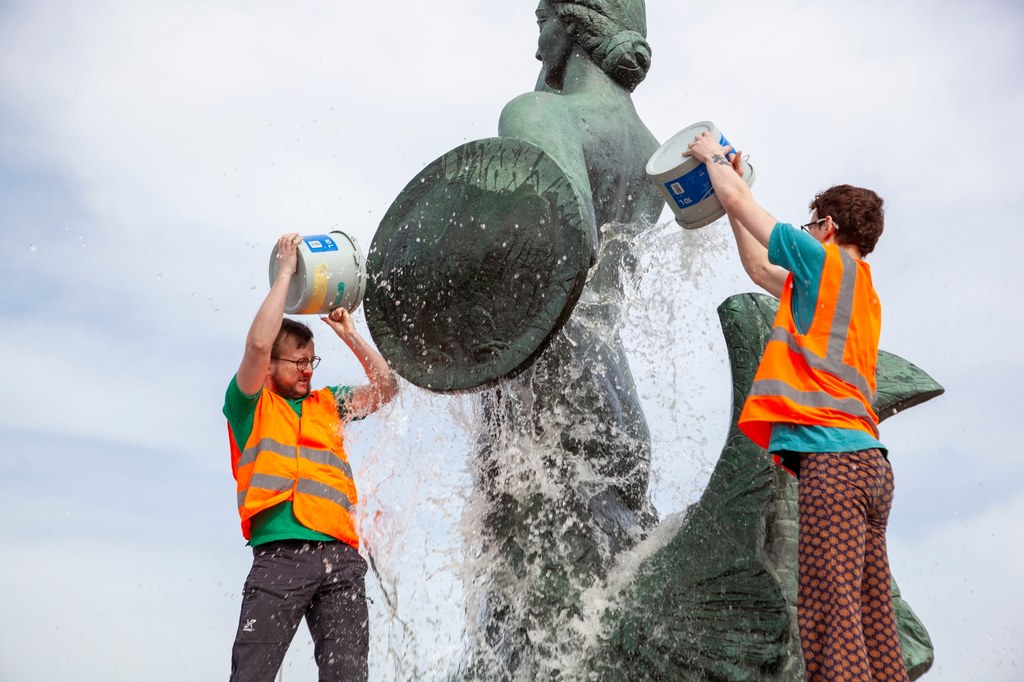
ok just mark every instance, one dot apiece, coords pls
pixel 291 579
pixel 844 598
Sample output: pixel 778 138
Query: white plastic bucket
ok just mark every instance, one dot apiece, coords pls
pixel 683 180
pixel 330 273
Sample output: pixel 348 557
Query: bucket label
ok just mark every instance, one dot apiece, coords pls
pixel 693 187
pixel 318 243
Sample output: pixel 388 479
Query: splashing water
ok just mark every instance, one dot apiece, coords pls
pixel 488 561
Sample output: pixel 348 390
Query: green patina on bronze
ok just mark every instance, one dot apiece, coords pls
pixel 718 601
pixel 554 521
pixel 480 258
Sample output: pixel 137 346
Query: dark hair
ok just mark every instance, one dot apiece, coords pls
pixel 294 329
pixel 859 215
pixel 613 33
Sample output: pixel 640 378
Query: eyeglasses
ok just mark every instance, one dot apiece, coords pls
pixel 301 363
pixel 813 223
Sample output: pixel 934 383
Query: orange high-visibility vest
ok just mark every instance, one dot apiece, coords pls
pixel 825 377
pixel 302 460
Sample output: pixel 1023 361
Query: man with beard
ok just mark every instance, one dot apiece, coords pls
pixel 296 496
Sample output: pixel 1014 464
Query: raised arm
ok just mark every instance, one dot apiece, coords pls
pixel 383 385
pixel 753 255
pixel 267 323
pixel 734 194
pixel 751 225
pixel 754 258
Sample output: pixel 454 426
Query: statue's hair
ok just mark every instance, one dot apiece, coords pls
pixel 613 33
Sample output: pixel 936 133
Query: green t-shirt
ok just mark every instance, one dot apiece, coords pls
pixel 277 522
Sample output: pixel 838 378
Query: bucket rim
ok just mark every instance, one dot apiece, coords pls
pixel 673 144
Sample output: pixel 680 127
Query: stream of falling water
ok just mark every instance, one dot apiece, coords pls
pixel 420 519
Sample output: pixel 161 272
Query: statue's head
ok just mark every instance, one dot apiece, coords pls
pixel 612 32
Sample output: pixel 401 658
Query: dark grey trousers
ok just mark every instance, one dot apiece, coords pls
pixel 291 579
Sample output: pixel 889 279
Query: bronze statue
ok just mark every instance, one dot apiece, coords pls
pixel 565 456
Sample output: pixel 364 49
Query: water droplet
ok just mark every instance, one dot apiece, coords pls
pixel 32 248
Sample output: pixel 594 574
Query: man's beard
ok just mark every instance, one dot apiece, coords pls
pixel 295 393
pixel 290 391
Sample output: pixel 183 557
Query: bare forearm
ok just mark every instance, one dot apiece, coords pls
pixel 754 258
pixel 750 251
pixel 267 322
pixel 738 201
pixel 383 383
pixel 730 188
pixel 260 339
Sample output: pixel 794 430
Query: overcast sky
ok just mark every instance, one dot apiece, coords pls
pixel 151 153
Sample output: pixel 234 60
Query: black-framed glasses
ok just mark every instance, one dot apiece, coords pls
pixel 814 223
pixel 301 363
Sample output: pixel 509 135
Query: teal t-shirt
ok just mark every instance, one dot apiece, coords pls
pixel 801 254
pixel 277 522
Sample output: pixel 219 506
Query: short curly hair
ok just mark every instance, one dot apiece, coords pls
pixel 859 215
pixel 613 33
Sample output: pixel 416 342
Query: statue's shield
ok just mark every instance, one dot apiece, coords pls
pixel 477 262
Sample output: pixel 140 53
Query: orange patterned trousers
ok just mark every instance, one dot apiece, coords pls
pixel 844 601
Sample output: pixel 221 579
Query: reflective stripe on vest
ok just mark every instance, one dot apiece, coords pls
pixel 814 399
pixel 777 387
pixel 325 457
pixel 831 363
pixel 280 484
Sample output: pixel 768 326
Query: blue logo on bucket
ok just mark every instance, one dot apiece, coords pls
pixel 691 188
pixel 694 186
pixel 319 243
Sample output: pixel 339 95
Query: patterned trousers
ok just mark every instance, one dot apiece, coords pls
pixel 844 600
